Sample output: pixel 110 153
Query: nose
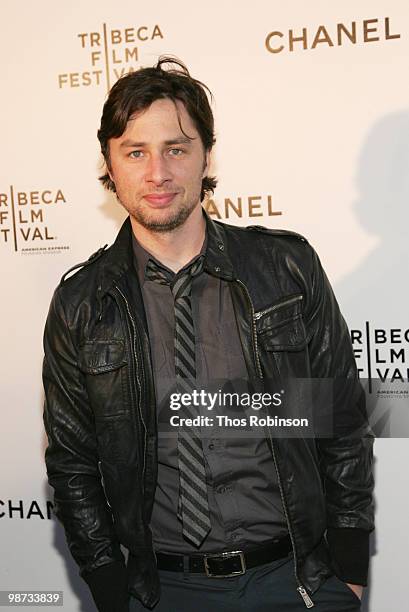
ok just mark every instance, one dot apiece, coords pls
pixel 157 170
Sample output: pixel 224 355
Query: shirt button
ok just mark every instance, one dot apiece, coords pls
pixel 221 246
pixel 222 489
pixel 217 269
pixel 211 446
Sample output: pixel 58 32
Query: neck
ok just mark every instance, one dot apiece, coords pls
pixel 177 247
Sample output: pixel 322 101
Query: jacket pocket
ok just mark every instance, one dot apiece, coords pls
pixel 282 338
pixel 104 366
pixel 280 326
pixel 99 356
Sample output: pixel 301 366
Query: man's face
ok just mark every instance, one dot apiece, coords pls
pixel 156 169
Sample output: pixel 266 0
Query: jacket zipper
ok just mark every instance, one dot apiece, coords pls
pixel 290 300
pixel 103 483
pixel 254 330
pixel 135 376
pixel 300 588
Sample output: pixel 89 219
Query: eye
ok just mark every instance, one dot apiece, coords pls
pixel 176 152
pixel 135 154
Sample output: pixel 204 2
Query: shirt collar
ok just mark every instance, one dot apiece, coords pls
pixel 142 256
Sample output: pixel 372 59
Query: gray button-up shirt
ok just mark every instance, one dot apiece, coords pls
pixel 243 494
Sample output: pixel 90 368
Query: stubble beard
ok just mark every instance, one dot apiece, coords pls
pixel 174 220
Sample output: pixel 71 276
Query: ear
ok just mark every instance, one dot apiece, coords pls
pixel 206 164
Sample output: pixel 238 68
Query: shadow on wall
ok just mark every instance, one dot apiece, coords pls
pixel 376 286
pixel 375 290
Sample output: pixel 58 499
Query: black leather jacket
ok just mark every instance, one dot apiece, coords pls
pixel 100 413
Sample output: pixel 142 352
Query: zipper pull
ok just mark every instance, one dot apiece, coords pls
pixel 307 599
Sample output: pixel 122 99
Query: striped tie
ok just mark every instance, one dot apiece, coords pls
pixel 193 509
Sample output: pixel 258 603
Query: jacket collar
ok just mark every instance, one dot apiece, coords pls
pixel 217 260
pixel 119 258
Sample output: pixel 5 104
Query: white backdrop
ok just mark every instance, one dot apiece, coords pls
pixel 318 132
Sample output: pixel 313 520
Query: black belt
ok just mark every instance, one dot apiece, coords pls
pixel 224 564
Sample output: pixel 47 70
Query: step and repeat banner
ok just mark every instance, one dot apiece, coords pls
pixel 312 118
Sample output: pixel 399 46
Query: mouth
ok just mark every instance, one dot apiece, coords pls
pixel 158 200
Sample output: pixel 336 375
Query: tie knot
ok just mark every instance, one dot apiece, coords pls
pixel 157 274
pixel 180 283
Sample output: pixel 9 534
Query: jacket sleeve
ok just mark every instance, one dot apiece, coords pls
pixel 72 468
pixel 346 457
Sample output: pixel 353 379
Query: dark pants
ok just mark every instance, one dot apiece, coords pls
pixel 267 588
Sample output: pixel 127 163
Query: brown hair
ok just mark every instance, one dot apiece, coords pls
pixel 137 90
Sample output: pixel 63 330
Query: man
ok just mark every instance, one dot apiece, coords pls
pixel 208 521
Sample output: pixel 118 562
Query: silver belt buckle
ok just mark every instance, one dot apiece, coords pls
pixel 225 555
